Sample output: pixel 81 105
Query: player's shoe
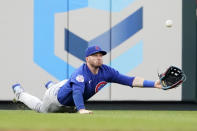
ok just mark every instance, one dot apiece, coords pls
pixel 49 84
pixel 17 89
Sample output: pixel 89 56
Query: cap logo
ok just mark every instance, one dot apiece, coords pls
pixel 97 48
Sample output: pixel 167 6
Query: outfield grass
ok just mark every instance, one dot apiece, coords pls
pixel 100 121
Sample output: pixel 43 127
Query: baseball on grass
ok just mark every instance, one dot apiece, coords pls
pixel 169 23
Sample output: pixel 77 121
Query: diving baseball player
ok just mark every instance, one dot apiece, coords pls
pixel 87 80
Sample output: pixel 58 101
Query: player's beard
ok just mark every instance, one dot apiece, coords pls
pixel 96 64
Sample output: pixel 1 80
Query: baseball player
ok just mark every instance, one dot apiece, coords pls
pixel 87 80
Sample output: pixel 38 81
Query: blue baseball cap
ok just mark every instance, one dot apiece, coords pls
pixel 93 50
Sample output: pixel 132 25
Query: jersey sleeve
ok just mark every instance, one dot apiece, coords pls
pixel 78 86
pixel 116 77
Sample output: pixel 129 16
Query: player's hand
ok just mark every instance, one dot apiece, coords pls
pixel 158 84
pixel 84 111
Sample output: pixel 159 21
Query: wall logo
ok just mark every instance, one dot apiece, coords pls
pixel 75 44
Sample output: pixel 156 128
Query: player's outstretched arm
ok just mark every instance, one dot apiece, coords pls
pixel 158 84
pixel 140 82
pixel 84 111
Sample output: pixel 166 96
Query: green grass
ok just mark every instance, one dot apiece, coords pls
pixel 100 121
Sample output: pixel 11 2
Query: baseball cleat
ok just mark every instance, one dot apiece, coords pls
pixel 17 89
pixel 49 84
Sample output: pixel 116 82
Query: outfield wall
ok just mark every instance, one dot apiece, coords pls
pixel 45 40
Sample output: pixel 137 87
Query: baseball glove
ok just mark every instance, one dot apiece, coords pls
pixel 172 78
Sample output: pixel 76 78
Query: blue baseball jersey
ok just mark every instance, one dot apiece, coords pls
pixel 83 84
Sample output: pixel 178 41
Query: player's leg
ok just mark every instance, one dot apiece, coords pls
pixel 49 101
pixel 52 84
pixel 31 101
